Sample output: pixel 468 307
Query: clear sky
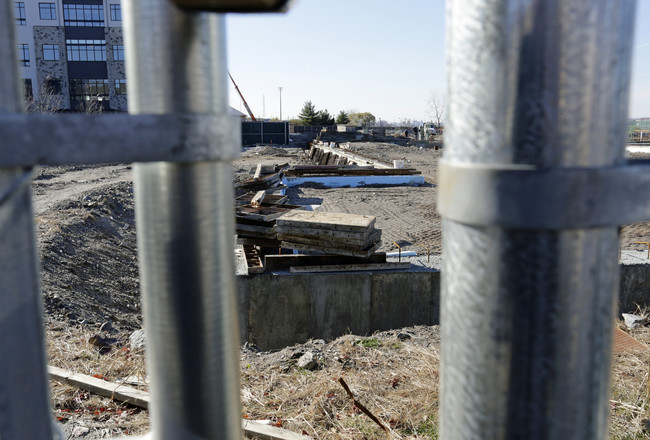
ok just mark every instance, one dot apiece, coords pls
pixel 363 56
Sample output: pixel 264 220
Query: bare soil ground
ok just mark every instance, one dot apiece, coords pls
pixel 86 231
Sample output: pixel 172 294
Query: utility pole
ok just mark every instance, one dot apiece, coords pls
pixel 280 89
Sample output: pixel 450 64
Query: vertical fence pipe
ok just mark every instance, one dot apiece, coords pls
pixel 527 314
pixel 24 397
pixel 176 63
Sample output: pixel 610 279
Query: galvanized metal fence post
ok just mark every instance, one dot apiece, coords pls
pixel 176 63
pixel 527 312
pixel 24 397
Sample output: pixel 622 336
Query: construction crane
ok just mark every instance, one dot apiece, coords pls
pixel 248 109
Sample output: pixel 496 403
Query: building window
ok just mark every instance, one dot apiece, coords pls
pixel 23 55
pixel 52 86
pixel 29 92
pixel 51 52
pixel 86 50
pixel 116 12
pixel 120 87
pixel 83 15
pixel 118 53
pixel 88 89
pixel 19 11
pixel 47 11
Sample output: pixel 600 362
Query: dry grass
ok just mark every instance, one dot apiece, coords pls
pixel 69 348
pixel 630 389
pixel 397 380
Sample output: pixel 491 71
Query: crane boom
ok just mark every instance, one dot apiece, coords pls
pixel 248 109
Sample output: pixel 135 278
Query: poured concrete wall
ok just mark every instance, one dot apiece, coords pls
pixel 283 309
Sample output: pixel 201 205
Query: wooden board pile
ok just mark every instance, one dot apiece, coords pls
pixel 254 224
pixel 265 177
pixel 347 170
pixel 326 232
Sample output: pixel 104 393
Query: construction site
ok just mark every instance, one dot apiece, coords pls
pixel 166 275
pixel 347 300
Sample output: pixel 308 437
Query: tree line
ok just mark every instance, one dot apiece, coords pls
pixel 310 116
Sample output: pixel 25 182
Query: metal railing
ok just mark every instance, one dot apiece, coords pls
pixel 531 214
pixel 526 318
pixel 183 140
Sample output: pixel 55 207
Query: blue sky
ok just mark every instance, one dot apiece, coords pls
pixel 363 55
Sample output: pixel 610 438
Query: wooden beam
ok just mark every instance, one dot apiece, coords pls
pixel 141 398
pixel 284 262
pixel 266 432
pixel 104 388
pixel 258 198
pixel 258 171
pixel 349 267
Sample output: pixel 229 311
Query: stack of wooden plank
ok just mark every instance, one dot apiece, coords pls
pixel 254 224
pixel 264 177
pixel 347 170
pixel 326 232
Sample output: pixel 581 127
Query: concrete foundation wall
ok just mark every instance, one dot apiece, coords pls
pixel 278 310
pixel 282 309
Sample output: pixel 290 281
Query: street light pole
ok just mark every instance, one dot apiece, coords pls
pixel 280 89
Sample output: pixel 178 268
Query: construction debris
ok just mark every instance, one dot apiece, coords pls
pixel 265 177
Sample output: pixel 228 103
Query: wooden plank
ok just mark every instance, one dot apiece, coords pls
pixel 284 262
pixel 254 228
pixel 269 199
pixel 253 260
pixel 331 250
pixel 267 432
pixel 256 236
pixel 264 213
pixel 141 399
pixel 111 390
pixel 257 241
pixel 328 220
pixel 258 171
pixel 349 267
pixel 352 244
pixel 329 167
pixel 374 172
pixel 324 233
pixel 246 221
pixel 258 198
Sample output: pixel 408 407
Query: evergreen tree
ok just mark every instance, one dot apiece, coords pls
pixel 324 118
pixel 308 114
pixel 342 118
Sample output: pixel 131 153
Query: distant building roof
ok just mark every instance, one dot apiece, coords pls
pixel 235 112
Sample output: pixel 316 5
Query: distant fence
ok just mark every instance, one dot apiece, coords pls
pixel 311 128
pixel 259 132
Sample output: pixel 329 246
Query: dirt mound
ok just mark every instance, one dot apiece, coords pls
pixel 88 258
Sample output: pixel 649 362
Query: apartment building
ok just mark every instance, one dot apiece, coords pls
pixel 72 51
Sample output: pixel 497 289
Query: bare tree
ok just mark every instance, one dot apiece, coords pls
pixel 437 104
pixel 49 99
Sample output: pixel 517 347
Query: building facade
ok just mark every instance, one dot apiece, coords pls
pixel 71 53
